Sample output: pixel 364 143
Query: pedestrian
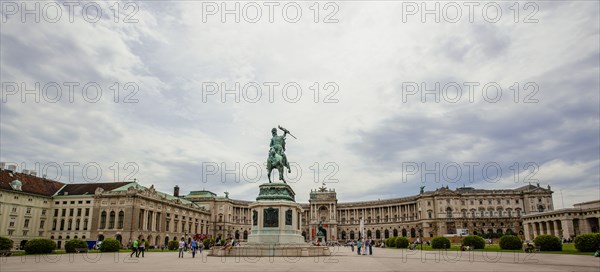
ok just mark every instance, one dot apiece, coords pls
pixel 181 247
pixel 352 245
pixel 370 246
pixel 358 246
pixel 142 248
pixel 134 249
pixel 194 246
pixel 200 246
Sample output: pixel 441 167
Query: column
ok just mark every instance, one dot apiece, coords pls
pixel 526 230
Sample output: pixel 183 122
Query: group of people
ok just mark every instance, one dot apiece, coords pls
pixel 138 248
pixel 194 246
pixel 363 246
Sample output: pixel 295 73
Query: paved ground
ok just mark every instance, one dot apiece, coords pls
pixel 344 260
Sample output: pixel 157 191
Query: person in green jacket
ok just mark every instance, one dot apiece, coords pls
pixel 134 249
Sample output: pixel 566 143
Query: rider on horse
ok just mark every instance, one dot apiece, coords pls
pixel 278 147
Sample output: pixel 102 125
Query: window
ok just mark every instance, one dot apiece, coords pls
pixel 26 223
pixel 11 224
pixel 87 202
pixel 44 212
pixel 14 209
pixel 64 212
pixel 54 224
pixel 80 202
pixel 111 220
pixel 71 212
pixel 72 202
pixel 25 232
pixel 517 201
pixel 62 224
pixel 121 217
pixel 56 212
pixel 70 224
pixel 79 212
pixel 103 220
pixel 64 202
pixel 85 224
pixel 77 224
pixel 87 211
pixel 42 223
pixel 28 211
pixel 10 232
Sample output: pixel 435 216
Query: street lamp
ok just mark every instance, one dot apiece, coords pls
pixel 421 237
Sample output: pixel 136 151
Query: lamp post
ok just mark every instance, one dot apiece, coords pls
pixel 421 237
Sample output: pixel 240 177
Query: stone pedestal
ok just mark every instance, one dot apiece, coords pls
pixel 275 227
pixel 275 216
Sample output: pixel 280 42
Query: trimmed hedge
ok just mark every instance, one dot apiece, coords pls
pixel 510 242
pixel 440 242
pixel 401 242
pixel 589 242
pixel 5 243
pixel 110 245
pixel 173 245
pixel 390 242
pixel 71 245
pixel 548 243
pixel 40 246
pixel 208 243
pixel 474 241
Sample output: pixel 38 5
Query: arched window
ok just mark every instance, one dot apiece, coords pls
pixel 102 220
pixel 413 233
pixel 111 220
pixel 386 234
pixel 352 235
pixel 121 218
pixel 343 235
pixel 77 221
pixel 395 232
pixel 85 224
pixel 377 234
pixel 448 212
pixel 369 234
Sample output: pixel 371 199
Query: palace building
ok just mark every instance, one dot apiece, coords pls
pixel 32 207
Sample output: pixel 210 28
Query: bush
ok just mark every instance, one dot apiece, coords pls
pixel 173 245
pixel 548 243
pixel 473 241
pixel 391 242
pixel 208 243
pixel 440 242
pixel 587 242
pixel 5 243
pixel 110 245
pixel 40 246
pixel 510 242
pixel 71 245
pixel 401 242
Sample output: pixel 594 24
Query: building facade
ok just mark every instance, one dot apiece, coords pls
pixel 564 223
pixel 33 207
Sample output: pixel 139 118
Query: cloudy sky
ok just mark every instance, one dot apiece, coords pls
pixel 179 93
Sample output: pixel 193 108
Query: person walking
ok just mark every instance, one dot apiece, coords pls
pixel 181 248
pixel 352 245
pixel 134 249
pixel 194 247
pixel 370 246
pixel 200 246
pixel 358 246
pixel 142 248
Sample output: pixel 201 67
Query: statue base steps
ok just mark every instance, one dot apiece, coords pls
pixel 278 250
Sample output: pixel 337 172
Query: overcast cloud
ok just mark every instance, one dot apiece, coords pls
pixel 363 143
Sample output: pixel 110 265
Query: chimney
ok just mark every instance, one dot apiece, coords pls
pixel 176 191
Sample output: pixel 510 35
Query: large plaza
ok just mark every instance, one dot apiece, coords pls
pixel 343 259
